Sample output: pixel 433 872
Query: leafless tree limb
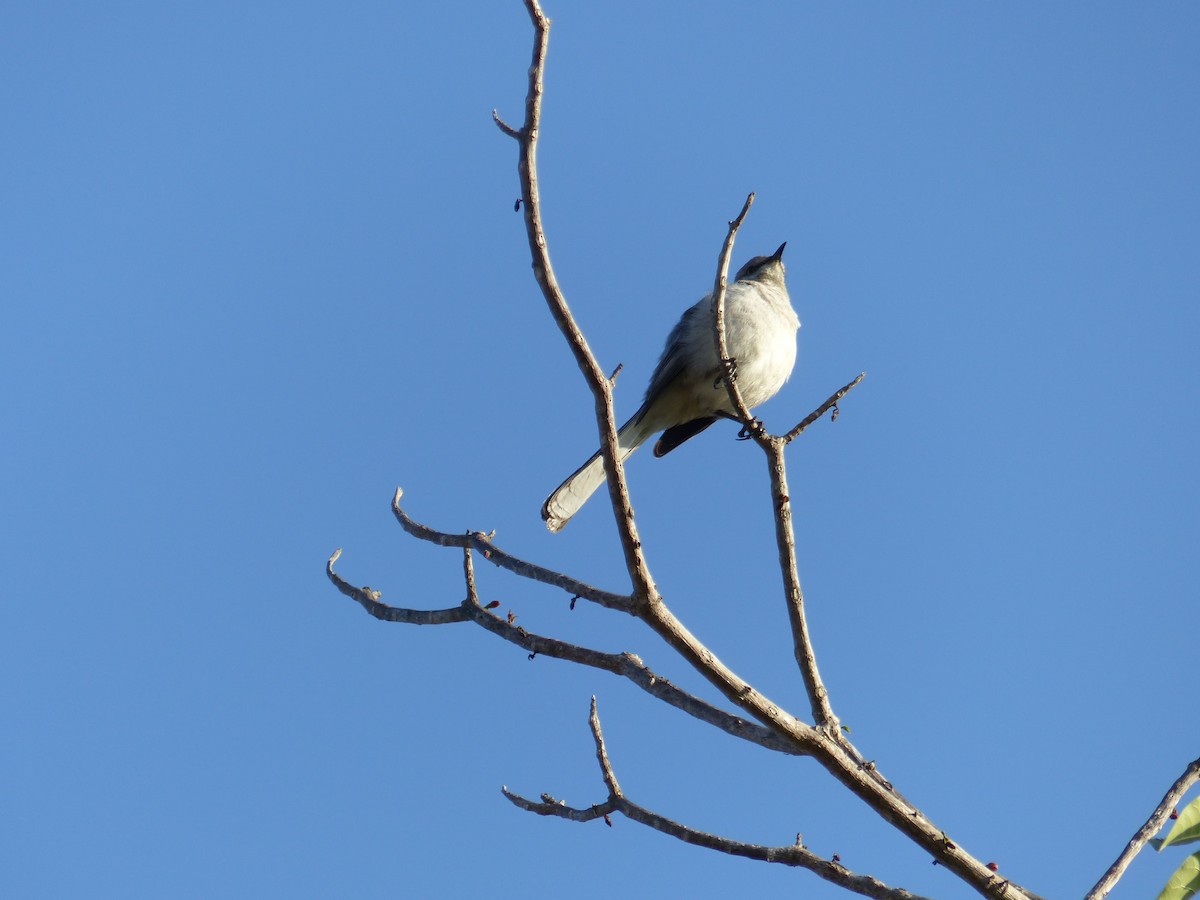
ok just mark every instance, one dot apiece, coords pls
pixel 550 806
pixel 785 541
pixel 796 855
pixel 627 665
pixel 513 133
pixel 657 615
pixel 369 600
pixel 606 769
pixel 1108 881
pixel 829 404
pixel 477 540
pixel 644 589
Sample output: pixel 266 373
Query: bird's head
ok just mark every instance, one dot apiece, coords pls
pixel 763 268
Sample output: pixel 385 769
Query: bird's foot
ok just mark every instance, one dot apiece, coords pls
pixel 753 428
pixel 730 366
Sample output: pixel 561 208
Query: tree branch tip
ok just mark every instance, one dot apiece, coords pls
pixel 396 497
pixel 514 799
pixel 736 222
pixel 336 556
pixel 504 126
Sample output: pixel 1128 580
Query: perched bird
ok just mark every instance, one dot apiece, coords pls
pixel 687 392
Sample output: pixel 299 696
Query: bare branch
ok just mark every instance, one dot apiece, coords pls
pixel 600 387
pixel 626 665
pixel 552 807
pixel 369 600
pixel 831 403
pixel 1181 786
pixel 493 554
pixel 773 447
pixel 606 769
pixel 630 666
pixel 718 310
pixel 796 855
pixel 469 576
pixel 785 540
pixel 504 126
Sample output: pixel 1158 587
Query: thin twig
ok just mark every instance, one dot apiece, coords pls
pixel 549 806
pixel 1181 786
pixel 505 127
pixel 631 667
pixel 369 600
pixel 796 855
pixel 606 769
pixel 785 540
pixel 728 366
pixel 829 404
pixel 469 576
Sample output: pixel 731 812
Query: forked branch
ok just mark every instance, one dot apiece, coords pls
pixel 626 665
pixel 644 589
pixel 796 854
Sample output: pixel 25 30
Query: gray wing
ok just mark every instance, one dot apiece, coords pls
pixel 672 362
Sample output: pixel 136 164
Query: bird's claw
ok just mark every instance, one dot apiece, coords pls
pixel 750 429
pixel 730 367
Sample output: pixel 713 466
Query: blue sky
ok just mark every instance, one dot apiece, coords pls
pixel 259 265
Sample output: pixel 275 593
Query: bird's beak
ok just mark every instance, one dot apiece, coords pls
pixel 778 254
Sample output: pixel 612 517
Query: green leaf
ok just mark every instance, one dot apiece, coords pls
pixel 1185 882
pixel 1187 826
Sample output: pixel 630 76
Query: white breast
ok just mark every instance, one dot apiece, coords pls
pixel 760 333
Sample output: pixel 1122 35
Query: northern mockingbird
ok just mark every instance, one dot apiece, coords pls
pixel 687 392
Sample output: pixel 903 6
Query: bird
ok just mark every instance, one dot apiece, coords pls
pixel 686 393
